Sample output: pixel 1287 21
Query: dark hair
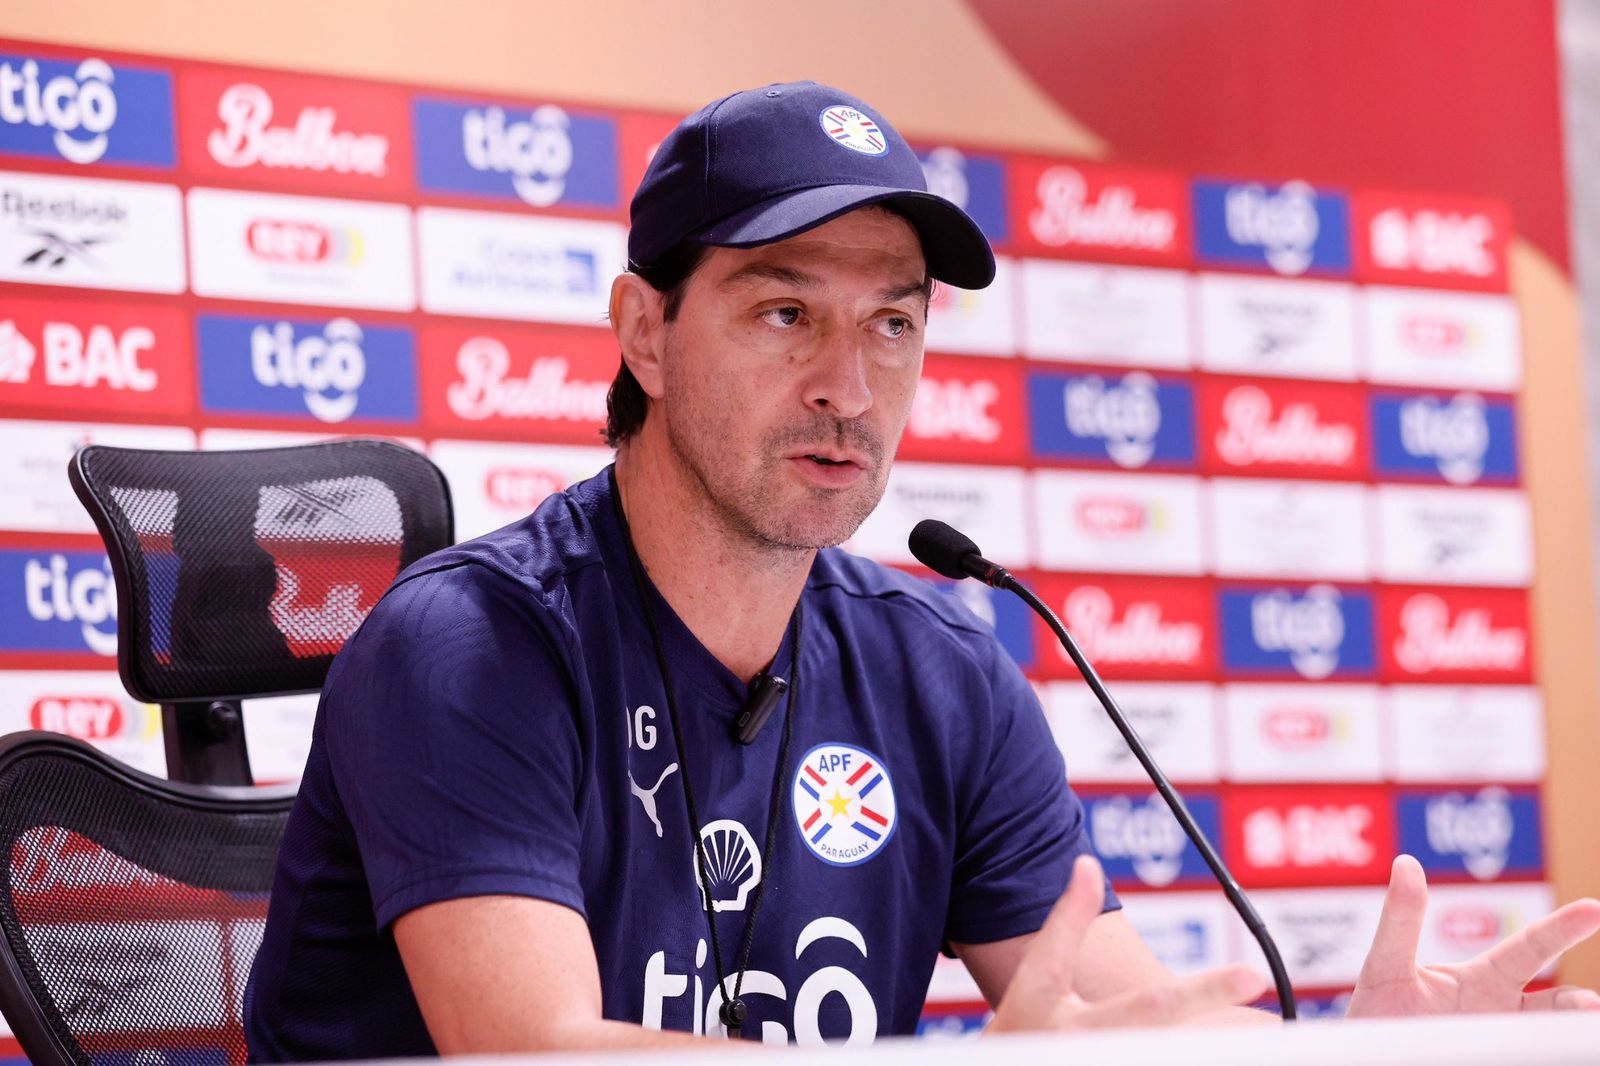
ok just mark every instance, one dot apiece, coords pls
pixel 626 403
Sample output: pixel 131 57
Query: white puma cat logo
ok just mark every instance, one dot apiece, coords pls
pixel 648 799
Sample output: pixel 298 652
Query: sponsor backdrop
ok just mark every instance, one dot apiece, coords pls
pixel 1256 436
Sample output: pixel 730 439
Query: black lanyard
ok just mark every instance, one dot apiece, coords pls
pixel 733 1011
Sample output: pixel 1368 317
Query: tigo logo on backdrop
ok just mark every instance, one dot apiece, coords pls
pixel 1291 229
pixel 966 410
pixel 974 183
pixel 1131 628
pixel 1138 838
pixel 1407 239
pixel 1136 421
pixel 551 385
pixel 540 156
pixel 1007 615
pixel 1093 313
pixel 90 233
pixel 85 111
pixel 323 371
pixel 1309 835
pixel 1466 635
pixel 1081 209
pixel 1485 835
pixel 1313 633
pixel 1461 439
pixel 1281 428
pixel 313 132
pixel 57 601
pixel 95 357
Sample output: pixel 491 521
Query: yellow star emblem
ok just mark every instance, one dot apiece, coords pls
pixel 840 804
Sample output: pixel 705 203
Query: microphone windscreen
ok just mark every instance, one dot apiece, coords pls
pixel 941 548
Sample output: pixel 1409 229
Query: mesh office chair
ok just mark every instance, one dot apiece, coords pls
pixel 131 907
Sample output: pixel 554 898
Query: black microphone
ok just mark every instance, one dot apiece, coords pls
pixel 952 554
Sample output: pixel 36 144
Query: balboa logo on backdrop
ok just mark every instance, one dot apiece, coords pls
pixel 85 112
pixel 68 603
pixel 1315 633
pixel 1292 229
pixel 328 371
pixel 541 156
pixel 484 389
pixel 844 803
pixel 1138 421
pixel 1456 634
pixel 1283 427
pixel 1129 215
pixel 1461 439
pixel 312 141
pixel 1135 628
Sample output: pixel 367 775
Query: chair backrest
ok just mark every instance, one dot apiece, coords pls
pixel 240 573
pixel 130 907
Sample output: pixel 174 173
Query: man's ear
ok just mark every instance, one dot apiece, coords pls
pixel 638 321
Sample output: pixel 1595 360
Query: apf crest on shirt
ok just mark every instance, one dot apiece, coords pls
pixel 853 129
pixel 844 803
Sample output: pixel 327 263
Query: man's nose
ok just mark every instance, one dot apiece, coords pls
pixel 838 380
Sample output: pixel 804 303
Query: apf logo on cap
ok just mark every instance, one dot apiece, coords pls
pixel 854 130
pixel 844 804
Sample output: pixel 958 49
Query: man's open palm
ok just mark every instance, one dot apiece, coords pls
pixel 1392 983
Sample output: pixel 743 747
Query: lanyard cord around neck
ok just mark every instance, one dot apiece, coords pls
pixel 733 1011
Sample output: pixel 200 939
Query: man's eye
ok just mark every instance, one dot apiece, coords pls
pixel 896 327
pixel 783 317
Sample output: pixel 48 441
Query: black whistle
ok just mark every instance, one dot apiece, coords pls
pixel 758 708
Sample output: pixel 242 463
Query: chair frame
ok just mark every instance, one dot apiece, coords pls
pixel 33 1031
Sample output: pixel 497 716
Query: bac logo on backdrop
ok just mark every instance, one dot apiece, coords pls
pixel 540 384
pixel 57 602
pixel 326 371
pixel 1130 628
pixel 1309 835
pixel 1485 835
pixel 1133 421
pixel 1311 633
pixel 78 357
pixel 85 111
pixel 540 156
pixel 1283 428
pixel 1290 229
pixel 1100 213
pixel 1407 239
pixel 966 411
pixel 1462 439
pixel 1442 634
pixel 975 183
pixel 1139 840
pixel 309 132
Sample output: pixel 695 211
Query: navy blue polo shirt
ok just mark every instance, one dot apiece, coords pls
pixel 499 726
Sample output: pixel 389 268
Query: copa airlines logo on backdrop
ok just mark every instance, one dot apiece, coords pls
pixel 1187 931
pixel 966 410
pixel 546 383
pixel 972 181
pixel 85 111
pixel 1485 835
pixel 39 498
pixel 57 602
pixel 1139 840
pixel 1312 632
pixel 1283 428
pixel 1081 209
pixel 1463 438
pixel 1134 628
pixel 91 233
pixel 1452 733
pixel 1089 312
pixel 325 371
pixel 1466 635
pixel 318 133
pixel 987 503
pixel 1410 239
pixel 76 357
pixel 1309 835
pixel 1133 421
pixel 1289 229
pixel 540 156
pixel 1274 528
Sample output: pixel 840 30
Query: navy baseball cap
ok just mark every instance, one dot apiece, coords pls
pixel 766 164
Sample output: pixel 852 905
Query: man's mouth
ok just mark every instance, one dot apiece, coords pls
pixel 825 461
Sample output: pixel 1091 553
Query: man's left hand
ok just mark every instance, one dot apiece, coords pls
pixel 1392 983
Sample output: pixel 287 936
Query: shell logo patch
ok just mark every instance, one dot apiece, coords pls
pixel 844 805
pixel 853 129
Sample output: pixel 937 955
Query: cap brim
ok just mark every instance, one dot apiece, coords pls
pixel 955 248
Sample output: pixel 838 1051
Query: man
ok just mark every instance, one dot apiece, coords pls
pixel 541 810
